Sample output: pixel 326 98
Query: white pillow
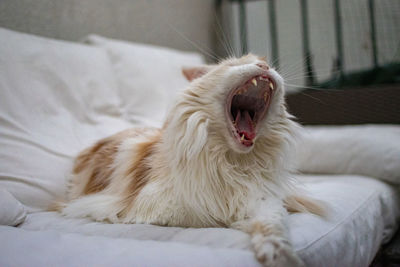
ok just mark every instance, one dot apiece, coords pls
pixel 370 150
pixel 149 77
pixel 12 212
pixel 56 98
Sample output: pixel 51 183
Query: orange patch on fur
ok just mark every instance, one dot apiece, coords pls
pixel 98 159
pixel 139 171
pixel 304 204
pixel 102 161
pixel 264 229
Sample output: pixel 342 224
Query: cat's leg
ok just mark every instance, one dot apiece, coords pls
pixel 99 207
pixel 269 234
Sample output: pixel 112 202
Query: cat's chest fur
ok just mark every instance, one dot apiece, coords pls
pixel 215 192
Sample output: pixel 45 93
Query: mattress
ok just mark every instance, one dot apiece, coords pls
pixel 363 213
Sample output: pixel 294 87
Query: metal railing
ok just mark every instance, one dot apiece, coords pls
pixel 340 75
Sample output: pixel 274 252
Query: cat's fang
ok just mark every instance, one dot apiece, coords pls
pixel 242 138
pixel 271 85
pixel 254 81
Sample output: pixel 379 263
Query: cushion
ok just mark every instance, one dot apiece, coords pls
pixel 12 212
pixel 149 77
pixel 50 248
pixel 370 150
pixel 362 212
pixel 56 98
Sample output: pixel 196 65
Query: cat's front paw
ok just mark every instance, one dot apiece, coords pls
pixel 274 251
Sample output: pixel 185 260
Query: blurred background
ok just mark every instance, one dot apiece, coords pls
pixel 340 58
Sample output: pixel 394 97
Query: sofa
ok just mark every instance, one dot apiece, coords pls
pixel 58 97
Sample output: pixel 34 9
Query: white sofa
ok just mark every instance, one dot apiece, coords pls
pixel 58 97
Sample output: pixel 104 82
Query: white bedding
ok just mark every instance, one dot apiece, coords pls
pixel 52 248
pixel 370 150
pixel 363 212
pixel 58 97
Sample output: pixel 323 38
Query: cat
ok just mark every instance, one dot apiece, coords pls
pixel 221 159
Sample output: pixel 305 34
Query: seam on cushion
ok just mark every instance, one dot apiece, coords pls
pixel 340 223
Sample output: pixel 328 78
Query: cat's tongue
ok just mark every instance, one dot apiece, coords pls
pixel 244 124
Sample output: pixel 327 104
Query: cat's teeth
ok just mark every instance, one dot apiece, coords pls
pixel 271 85
pixel 254 81
pixel 241 91
pixel 242 138
pixel 265 96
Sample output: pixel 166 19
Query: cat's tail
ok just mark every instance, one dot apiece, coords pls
pixel 295 203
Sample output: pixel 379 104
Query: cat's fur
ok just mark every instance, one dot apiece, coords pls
pixel 193 173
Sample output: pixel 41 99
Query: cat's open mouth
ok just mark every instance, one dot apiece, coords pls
pixel 247 105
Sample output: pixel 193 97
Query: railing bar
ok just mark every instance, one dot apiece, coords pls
pixel 310 80
pixel 273 26
pixel 339 38
pixel 371 8
pixel 243 26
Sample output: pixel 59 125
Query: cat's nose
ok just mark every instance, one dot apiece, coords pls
pixel 263 66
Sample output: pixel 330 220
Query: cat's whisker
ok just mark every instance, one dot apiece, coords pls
pixel 327 74
pixel 300 76
pixel 195 45
pixel 225 40
pixel 313 98
pixel 293 67
pixel 230 43
pixel 311 87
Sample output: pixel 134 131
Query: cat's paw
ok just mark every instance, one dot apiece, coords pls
pixel 274 251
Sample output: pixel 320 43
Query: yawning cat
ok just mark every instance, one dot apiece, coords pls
pixel 221 159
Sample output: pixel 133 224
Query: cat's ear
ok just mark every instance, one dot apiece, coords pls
pixel 192 73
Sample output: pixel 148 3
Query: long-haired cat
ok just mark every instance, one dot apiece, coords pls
pixel 221 159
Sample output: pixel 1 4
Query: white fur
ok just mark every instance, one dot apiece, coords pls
pixel 200 175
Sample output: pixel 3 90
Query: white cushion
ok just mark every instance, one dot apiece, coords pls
pixel 370 150
pixel 12 212
pixel 50 248
pixel 56 98
pixel 362 214
pixel 149 77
